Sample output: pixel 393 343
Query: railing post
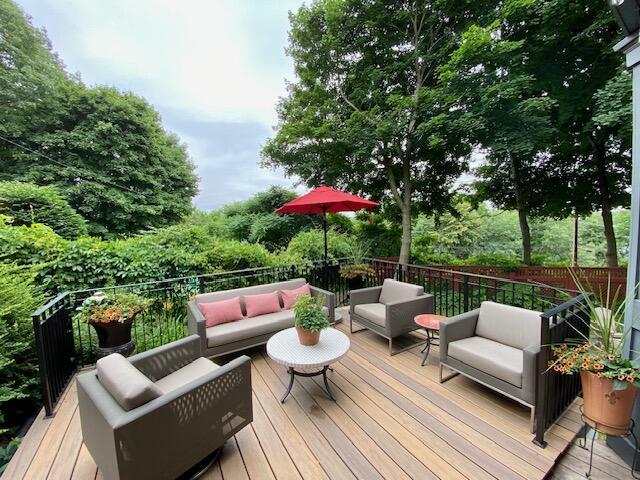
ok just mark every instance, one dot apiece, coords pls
pixel 542 383
pixel 465 292
pixel 42 366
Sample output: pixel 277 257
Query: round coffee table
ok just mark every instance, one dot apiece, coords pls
pixel 431 323
pixel 285 349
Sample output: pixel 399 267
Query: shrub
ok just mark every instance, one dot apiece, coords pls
pixel 310 245
pixel 19 387
pixel 27 204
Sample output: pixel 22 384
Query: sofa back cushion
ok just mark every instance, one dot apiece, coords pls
pixel 289 296
pixel 392 291
pixel 513 326
pixel 126 384
pixel 262 303
pixel 222 311
pixel 258 289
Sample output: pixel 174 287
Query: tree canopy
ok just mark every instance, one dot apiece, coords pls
pixel 366 112
pixel 99 136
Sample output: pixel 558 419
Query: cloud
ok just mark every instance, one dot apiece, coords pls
pixel 214 70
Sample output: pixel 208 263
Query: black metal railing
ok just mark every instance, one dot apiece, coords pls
pixel 555 392
pixel 55 347
pixel 64 344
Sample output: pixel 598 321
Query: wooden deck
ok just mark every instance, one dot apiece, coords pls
pixel 392 420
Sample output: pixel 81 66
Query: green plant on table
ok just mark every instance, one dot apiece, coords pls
pixel 601 351
pixel 309 314
pixel 112 307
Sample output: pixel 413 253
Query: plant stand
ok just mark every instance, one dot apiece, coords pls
pixel 589 423
pixel 124 350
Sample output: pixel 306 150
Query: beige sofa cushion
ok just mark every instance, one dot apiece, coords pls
pixel 374 312
pixel 392 291
pixel 513 326
pixel 196 369
pixel 126 384
pixel 496 359
pixel 249 327
pixel 257 290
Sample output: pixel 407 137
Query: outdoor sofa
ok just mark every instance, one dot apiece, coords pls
pixel 389 310
pixel 159 413
pixel 250 331
pixel 496 345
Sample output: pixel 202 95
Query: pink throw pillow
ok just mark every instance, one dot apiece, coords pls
pixel 289 296
pixel 261 304
pixel 223 311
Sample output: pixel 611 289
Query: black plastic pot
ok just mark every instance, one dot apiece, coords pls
pixel 114 337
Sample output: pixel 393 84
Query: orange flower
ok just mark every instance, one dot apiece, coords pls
pixel 598 366
pixel 621 377
pixel 570 363
pixel 611 357
pixel 630 378
pixel 598 374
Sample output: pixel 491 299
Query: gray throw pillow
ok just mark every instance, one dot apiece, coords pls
pixel 126 384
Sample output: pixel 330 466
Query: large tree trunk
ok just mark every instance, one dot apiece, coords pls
pixel 405 248
pixel 605 203
pixel 522 212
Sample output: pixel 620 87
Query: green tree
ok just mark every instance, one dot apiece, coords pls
pixel 27 203
pixel 102 134
pixel 366 112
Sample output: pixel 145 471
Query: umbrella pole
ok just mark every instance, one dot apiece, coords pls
pixel 324 226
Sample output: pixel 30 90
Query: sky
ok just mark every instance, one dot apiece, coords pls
pixel 214 69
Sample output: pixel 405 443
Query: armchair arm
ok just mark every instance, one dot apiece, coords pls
pixel 329 301
pixel 401 313
pixel 530 372
pixel 364 295
pixel 456 328
pixel 196 324
pixel 161 361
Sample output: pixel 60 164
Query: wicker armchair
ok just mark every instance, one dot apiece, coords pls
pixel 168 435
pixel 389 310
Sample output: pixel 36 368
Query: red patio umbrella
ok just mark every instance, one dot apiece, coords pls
pixel 322 200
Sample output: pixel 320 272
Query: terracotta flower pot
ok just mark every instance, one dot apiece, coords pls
pixel 606 409
pixel 307 337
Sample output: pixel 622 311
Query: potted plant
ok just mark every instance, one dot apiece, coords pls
pixel 112 315
pixel 310 319
pixel 609 380
pixel 358 270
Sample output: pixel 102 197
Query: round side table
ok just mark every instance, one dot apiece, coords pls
pixel 284 348
pixel 431 323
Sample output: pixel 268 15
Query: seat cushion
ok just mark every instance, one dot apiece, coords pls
pixel 374 312
pixel 223 311
pixel 496 359
pixel 126 384
pixel 196 369
pixel 392 291
pixel 513 326
pixel 249 327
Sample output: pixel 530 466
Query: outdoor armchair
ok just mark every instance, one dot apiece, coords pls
pixel 194 408
pixel 389 310
pixel 496 345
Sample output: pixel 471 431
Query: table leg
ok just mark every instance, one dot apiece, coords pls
pixel 326 383
pixel 426 348
pixel 291 372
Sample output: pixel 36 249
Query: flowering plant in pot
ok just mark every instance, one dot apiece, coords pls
pixel 112 316
pixel 609 380
pixel 310 319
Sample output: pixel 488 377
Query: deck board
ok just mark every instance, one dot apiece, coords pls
pixel 393 419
